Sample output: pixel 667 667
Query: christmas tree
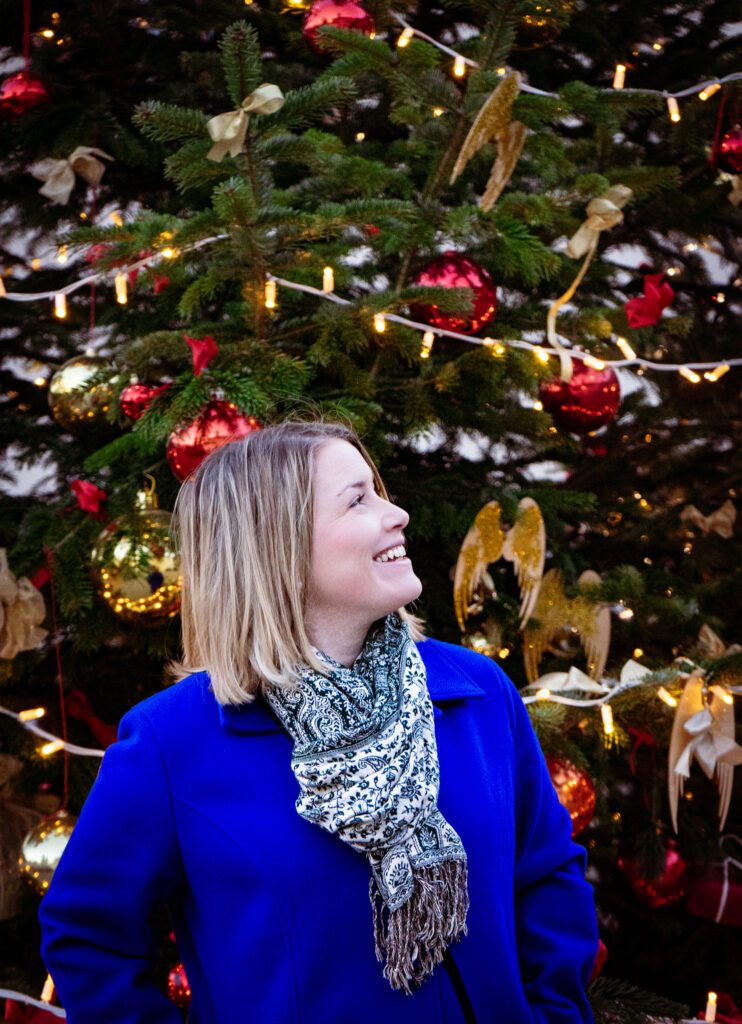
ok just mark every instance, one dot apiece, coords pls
pixel 499 240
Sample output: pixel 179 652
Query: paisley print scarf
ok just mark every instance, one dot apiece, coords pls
pixel 366 762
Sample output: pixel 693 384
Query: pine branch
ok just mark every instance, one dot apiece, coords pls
pixel 241 61
pixel 166 122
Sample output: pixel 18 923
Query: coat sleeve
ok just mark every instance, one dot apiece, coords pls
pixel 120 863
pixel 556 927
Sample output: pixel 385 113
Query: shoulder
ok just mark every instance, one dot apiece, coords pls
pixel 172 708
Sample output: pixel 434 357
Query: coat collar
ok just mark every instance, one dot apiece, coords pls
pixel 447 680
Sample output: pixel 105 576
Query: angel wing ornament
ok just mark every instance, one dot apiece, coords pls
pixel 524 545
pixel 553 610
pixel 703 728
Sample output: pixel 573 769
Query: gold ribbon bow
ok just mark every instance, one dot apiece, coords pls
pixel 21 612
pixel 703 729
pixel 228 130
pixel 59 175
pixel 603 212
pixel 722 521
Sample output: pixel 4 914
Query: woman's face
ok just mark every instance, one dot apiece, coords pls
pixel 352 525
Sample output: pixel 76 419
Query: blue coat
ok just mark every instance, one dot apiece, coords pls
pixel 193 807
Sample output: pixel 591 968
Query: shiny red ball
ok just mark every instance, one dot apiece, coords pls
pixel 21 93
pixel 452 270
pixel 338 13
pixel 137 398
pixel 669 887
pixel 588 401
pixel 575 789
pixel 217 424
pixel 178 989
pixel 727 153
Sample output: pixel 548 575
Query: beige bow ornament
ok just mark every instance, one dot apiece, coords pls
pixel 574 679
pixel 703 728
pixel 228 130
pixel 603 212
pixel 59 175
pixel 722 521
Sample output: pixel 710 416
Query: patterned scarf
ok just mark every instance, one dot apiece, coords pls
pixel 366 762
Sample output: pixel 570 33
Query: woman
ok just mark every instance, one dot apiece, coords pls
pixel 349 823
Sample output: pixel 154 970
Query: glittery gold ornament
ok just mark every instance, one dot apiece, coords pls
pixel 524 545
pixel 575 790
pixel 43 847
pixel 493 124
pixel 554 611
pixel 76 404
pixel 136 566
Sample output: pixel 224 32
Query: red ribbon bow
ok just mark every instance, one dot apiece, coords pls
pixel 89 497
pixel 646 311
pixel 204 350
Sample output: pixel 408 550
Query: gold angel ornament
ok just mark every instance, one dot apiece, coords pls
pixel 486 542
pixel 553 611
pixel 703 728
pixel 493 124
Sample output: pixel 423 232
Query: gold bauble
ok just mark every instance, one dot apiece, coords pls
pixel 42 848
pixel 136 567
pixel 76 404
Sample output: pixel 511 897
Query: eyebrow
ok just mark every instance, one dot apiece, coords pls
pixel 359 484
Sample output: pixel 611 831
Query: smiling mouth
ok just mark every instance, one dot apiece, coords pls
pixel 394 554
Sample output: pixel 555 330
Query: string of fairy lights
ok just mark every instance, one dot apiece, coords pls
pixel 530 695
pixel 711 370
pixel 704 90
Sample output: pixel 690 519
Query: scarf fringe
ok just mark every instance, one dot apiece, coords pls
pixel 415 937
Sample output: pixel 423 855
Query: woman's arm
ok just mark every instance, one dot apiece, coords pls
pixel 121 862
pixel 556 929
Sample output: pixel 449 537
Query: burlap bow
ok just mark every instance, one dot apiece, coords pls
pixel 21 612
pixel 711 645
pixel 59 175
pixel 603 212
pixel 228 130
pixel 722 521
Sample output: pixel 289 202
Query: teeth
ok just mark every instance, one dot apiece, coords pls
pixel 391 554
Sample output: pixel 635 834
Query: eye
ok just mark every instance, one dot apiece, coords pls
pixel 358 500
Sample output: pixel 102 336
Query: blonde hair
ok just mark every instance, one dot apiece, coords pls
pixel 244 524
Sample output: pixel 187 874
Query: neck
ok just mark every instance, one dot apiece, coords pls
pixel 339 637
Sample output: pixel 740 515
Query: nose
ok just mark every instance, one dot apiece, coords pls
pixel 398 516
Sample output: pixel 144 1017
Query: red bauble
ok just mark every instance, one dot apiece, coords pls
pixel 217 424
pixel 452 270
pixel 338 13
pixel 727 153
pixel 21 93
pixel 575 790
pixel 137 398
pixel 178 989
pixel 670 885
pixel 590 399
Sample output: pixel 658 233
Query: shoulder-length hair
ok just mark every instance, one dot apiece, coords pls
pixel 244 522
